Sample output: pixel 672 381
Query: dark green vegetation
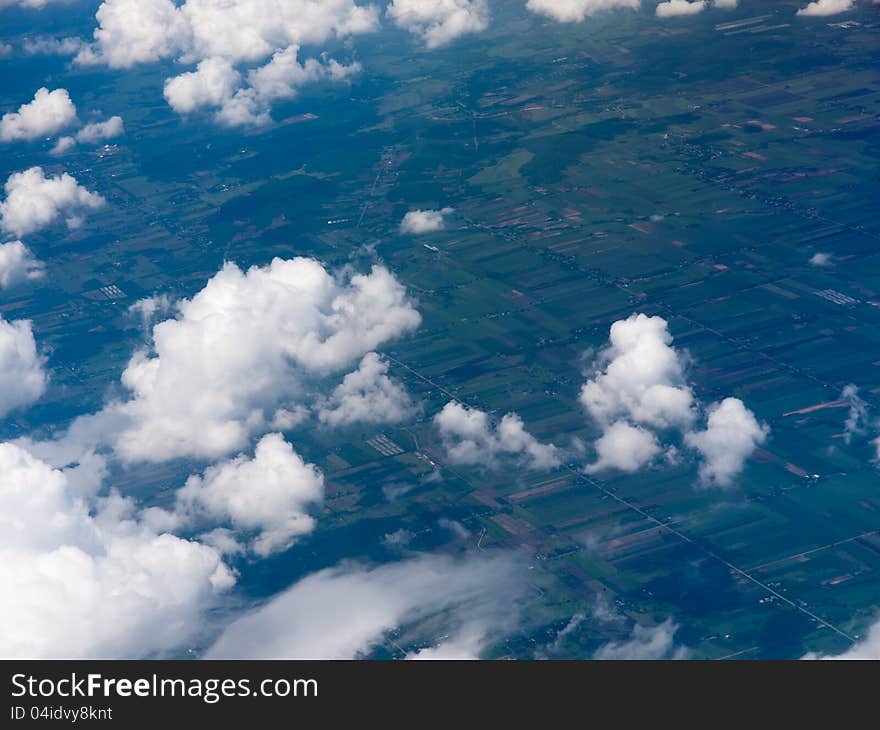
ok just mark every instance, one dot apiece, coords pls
pixel 689 169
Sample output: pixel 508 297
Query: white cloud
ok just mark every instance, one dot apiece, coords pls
pixel 48 46
pixel 63 145
pixel 625 448
pixel 438 22
pixel 642 379
pixel 252 30
pixel 99 131
pixel 91 133
pixel 424 221
pixel 367 395
pixel 857 418
pixel 346 611
pixel 638 394
pixel 224 541
pixel 247 345
pixel 31 4
pixel 130 32
pixel 34 201
pixel 270 494
pixel 732 434
pixel 553 648
pixel 22 378
pixel 79 443
pixel 398 539
pixel 821 259
pixel 17 264
pixel 221 37
pixel 827 7
pixel 82 579
pixel 572 11
pixel 672 8
pixel 147 310
pixel 280 78
pixel 645 643
pixel 725 4
pixel 212 83
pixel 49 112
pixel 469 438
pixel 455 527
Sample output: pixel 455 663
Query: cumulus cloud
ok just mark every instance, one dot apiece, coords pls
pixel 625 448
pixel 222 37
pixel 672 8
pixel 469 438
pixel 212 83
pixel 130 32
pixel 217 84
pixel 574 11
pixel 34 201
pixel 821 259
pixel 18 265
pixel 827 7
pixel 22 378
pixel 83 579
pixel 251 30
pixel 725 4
pixel 95 132
pixel 638 395
pixel 367 395
pixel 270 494
pixel 347 611
pixel 731 436
pixel 645 642
pixel 641 377
pixel 91 133
pixel 424 221
pixel 49 112
pixel 279 79
pixel 245 347
pixel 438 22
